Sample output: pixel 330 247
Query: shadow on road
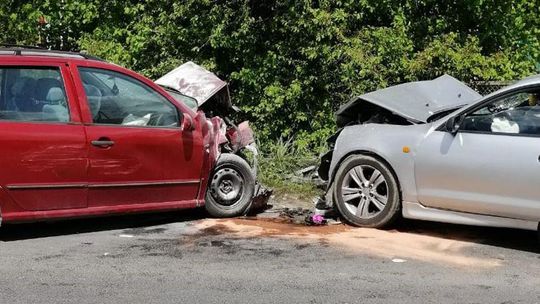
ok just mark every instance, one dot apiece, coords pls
pixel 506 238
pixel 500 237
pixel 15 232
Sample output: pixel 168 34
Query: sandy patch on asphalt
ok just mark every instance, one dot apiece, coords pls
pixel 380 243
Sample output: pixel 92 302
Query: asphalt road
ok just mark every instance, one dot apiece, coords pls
pixel 182 257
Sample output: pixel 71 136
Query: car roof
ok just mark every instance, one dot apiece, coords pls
pixel 10 50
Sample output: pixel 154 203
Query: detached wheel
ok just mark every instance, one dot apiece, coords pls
pixel 366 192
pixel 231 187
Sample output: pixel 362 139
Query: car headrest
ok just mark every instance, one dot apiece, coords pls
pixel 55 95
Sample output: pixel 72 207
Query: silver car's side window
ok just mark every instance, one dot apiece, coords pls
pixel 518 113
pixel 117 99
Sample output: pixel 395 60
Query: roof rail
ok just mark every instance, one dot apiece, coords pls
pixel 91 57
pixel 21 50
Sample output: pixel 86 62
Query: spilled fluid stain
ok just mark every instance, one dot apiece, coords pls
pixel 365 241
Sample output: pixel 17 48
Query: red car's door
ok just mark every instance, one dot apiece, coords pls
pixel 138 153
pixel 44 152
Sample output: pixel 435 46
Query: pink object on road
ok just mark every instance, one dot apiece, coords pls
pixel 318 219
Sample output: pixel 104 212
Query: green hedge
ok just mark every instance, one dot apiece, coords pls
pixel 292 63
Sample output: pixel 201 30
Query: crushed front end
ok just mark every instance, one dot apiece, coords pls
pixel 229 184
pixel 405 104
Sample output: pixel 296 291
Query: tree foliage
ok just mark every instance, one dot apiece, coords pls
pixel 292 63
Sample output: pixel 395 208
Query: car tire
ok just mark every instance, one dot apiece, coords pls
pixel 231 187
pixel 375 192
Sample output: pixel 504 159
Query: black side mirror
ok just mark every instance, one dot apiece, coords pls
pixel 452 125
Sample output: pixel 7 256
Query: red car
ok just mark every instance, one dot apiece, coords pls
pixel 83 137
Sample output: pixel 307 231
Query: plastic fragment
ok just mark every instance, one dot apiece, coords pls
pixel 318 219
pixel 315 219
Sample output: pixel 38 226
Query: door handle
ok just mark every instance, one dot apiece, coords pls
pixel 103 142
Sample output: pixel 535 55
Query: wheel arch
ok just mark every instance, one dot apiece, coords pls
pixel 386 143
pixel 216 209
pixel 367 153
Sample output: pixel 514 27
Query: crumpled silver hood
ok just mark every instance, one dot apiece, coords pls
pixel 414 101
pixel 195 81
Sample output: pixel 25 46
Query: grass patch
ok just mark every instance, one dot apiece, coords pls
pixel 278 161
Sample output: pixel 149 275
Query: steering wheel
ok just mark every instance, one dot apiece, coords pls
pixel 533 111
pixel 156 119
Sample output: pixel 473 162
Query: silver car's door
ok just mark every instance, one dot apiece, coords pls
pixel 490 166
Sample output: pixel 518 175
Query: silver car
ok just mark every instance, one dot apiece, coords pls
pixel 438 151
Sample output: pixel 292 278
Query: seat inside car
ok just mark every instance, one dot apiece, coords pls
pixel 44 85
pixel 56 107
pixel 93 94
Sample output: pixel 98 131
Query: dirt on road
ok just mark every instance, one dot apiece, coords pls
pixel 390 244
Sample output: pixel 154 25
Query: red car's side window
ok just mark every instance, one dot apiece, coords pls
pixel 118 99
pixel 33 94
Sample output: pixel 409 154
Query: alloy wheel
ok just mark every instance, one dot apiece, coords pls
pixel 364 191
